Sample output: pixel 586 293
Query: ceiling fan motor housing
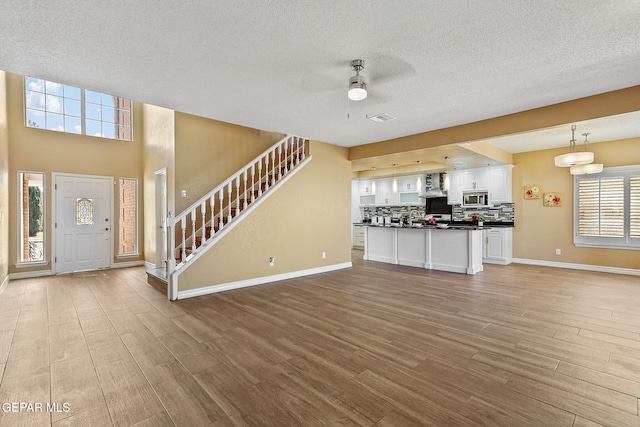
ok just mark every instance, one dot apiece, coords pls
pixel 357 88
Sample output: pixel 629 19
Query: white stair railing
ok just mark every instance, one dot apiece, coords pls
pixel 219 207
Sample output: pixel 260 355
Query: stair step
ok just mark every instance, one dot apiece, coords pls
pixel 158 283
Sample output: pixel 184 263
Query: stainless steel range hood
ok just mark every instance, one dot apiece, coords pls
pixel 435 186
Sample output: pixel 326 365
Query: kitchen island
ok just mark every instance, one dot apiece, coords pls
pixel 454 249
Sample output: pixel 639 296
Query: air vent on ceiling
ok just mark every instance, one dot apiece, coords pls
pixel 382 118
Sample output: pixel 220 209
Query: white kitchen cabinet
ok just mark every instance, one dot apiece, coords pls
pixel 496 180
pixel 499 183
pixel 411 184
pixel 497 245
pixel 454 196
pixel 384 192
pixel 409 188
pixel 473 179
pixel 366 192
pixel 358 236
pixel 365 187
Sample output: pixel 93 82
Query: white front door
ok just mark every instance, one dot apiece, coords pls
pixel 83 225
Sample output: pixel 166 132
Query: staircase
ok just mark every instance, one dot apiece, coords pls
pixel 202 224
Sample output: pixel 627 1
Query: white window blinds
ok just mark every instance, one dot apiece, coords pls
pixel 607 208
pixel 634 207
pixel 601 207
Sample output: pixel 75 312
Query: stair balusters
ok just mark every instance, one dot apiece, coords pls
pixel 272 165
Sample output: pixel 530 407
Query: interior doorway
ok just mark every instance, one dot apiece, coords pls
pixel 161 218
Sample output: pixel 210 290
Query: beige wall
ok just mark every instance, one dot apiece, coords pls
pixel 46 151
pixel 158 153
pixel 209 151
pixel 541 230
pixel 309 214
pixel 4 182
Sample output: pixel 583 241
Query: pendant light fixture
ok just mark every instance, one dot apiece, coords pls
pixel 588 168
pixel 357 86
pixel 573 158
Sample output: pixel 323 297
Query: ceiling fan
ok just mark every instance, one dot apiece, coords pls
pixel 357 85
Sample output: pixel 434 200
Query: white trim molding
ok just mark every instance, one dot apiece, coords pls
pixel 259 281
pixel 127 264
pixel 4 284
pixel 31 274
pixel 587 267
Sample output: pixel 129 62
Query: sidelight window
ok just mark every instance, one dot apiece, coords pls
pixel 31 203
pixel 128 217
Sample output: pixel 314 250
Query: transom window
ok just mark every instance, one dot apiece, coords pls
pixel 607 208
pixel 65 108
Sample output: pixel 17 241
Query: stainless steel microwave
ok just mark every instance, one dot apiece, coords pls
pixel 472 199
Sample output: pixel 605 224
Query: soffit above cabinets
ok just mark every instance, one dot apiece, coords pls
pixel 432 160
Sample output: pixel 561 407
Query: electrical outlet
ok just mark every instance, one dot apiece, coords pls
pixel 183 193
pixel 272 261
pixel 558 251
pixel 324 255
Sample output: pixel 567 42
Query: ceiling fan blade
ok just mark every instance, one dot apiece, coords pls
pixel 385 68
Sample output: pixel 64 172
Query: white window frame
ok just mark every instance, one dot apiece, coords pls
pixel 625 242
pixel 83 114
pixel 20 248
pixel 135 252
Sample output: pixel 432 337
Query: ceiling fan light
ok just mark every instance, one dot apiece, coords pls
pixel 575 158
pixel 586 169
pixel 357 88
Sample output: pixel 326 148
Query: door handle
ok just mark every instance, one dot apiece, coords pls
pixel 106 229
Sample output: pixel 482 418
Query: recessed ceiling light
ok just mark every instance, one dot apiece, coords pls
pixel 419 161
pixel 373 168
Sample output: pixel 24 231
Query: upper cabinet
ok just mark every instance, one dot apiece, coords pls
pixel 496 180
pixel 367 192
pixel 410 184
pixel 366 187
pixel 385 194
pixel 383 191
pixel 499 183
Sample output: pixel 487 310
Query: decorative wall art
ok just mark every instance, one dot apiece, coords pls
pixel 552 199
pixel 532 192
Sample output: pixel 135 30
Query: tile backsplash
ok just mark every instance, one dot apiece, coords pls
pixel 416 212
pixel 502 212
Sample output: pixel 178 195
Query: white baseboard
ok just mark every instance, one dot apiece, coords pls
pixel 4 283
pixel 587 267
pixel 31 274
pixel 259 281
pixel 149 266
pixel 127 264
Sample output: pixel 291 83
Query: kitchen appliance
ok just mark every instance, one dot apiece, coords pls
pixel 475 199
pixel 437 205
pixel 435 186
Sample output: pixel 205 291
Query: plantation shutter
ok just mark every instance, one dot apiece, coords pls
pixel 634 207
pixel 601 207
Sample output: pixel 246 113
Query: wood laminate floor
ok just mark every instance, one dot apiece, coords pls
pixel 375 345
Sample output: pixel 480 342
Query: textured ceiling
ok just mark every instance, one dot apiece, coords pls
pixel 283 65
